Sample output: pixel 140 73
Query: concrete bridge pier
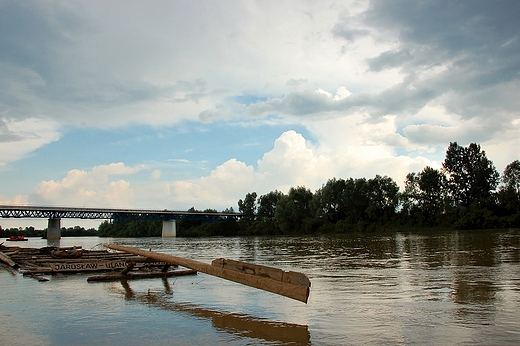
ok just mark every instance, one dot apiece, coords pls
pixel 169 229
pixel 54 229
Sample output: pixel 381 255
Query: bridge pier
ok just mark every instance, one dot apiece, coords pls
pixel 54 229
pixel 169 229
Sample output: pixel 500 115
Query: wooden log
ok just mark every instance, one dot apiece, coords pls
pixel 7 260
pixel 271 284
pixel 129 267
pixel 141 276
pixel 39 278
pixel 36 270
pixel 165 268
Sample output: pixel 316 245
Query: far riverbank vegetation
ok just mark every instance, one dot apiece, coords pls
pixel 466 193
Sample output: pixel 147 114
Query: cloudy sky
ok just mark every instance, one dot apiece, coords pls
pixel 174 104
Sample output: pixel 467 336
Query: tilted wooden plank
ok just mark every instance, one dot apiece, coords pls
pixel 288 289
pixel 265 271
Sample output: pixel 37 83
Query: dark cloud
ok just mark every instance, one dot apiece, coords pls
pixel 465 52
pixel 389 59
pixel 448 25
pixel 34 39
pixel 399 99
pixel 47 68
pixel 34 35
pixel 343 30
pixel 478 43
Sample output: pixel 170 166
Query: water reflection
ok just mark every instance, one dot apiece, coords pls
pixel 53 242
pixel 233 323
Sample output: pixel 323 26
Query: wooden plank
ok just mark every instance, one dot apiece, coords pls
pixel 265 271
pixel 113 277
pixel 271 284
pixel 7 260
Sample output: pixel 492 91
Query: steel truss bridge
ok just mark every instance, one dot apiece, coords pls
pixel 117 215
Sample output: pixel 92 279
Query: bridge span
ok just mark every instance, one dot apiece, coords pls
pixel 55 214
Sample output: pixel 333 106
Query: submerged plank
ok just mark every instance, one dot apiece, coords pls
pixel 299 291
pixel 129 276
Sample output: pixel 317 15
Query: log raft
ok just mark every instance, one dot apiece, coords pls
pixel 33 262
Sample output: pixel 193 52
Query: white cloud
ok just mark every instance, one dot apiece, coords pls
pixel 217 190
pixel 18 138
pixel 294 161
pixel 156 174
pixel 88 188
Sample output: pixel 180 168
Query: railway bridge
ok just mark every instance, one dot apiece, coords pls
pixel 55 214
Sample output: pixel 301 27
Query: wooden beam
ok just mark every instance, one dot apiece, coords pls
pixel 292 288
pixel 129 276
pixel 6 259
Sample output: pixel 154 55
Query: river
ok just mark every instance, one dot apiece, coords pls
pixel 443 288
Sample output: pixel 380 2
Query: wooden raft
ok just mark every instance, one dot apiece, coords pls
pixel 51 260
pixel 289 284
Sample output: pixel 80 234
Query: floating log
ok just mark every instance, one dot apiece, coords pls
pixel 39 278
pixel 257 277
pixel 7 260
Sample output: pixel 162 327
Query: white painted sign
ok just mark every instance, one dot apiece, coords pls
pixel 95 265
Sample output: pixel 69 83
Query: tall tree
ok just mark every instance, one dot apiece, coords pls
pixel 357 200
pixel 267 203
pixel 431 184
pixel 410 197
pixel 511 177
pixel 329 201
pixel 248 206
pixel 293 209
pixel 383 195
pixel 472 177
pixel 509 194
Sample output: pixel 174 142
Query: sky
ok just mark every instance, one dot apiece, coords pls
pixel 179 104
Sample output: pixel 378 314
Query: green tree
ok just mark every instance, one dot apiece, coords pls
pixel 329 201
pixel 267 203
pixel 248 206
pixel 471 176
pixel 431 184
pixel 293 210
pixel 410 197
pixel 383 197
pixel 511 177
pixel 509 193
pixel 357 200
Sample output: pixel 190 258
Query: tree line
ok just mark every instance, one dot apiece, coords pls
pixel 30 231
pixel 467 192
